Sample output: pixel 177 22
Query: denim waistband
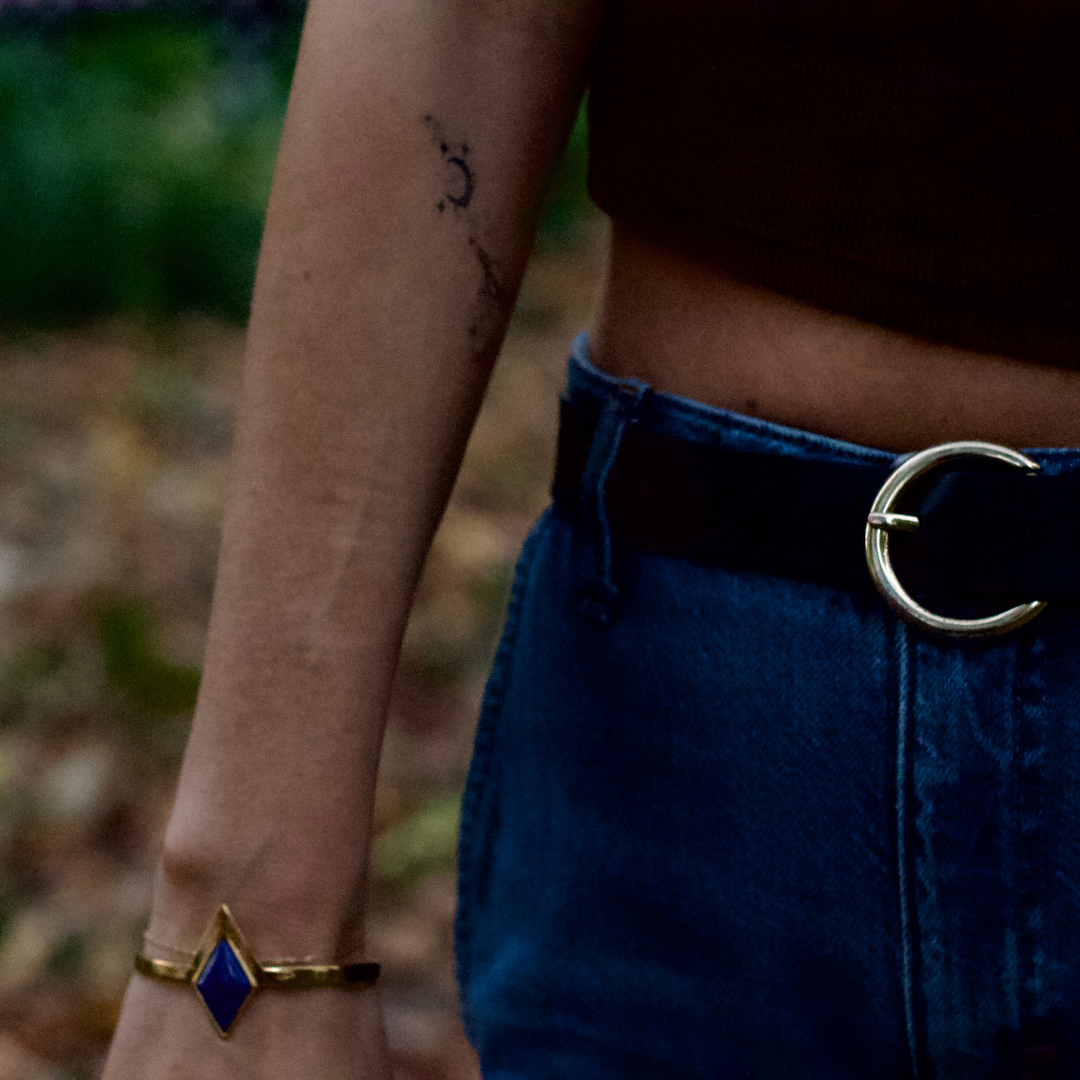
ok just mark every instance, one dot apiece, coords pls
pixel 685 418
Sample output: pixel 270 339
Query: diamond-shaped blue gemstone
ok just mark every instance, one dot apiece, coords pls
pixel 223 984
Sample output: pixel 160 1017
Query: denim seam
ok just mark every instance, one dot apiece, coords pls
pixel 717 421
pixel 903 723
pixel 707 419
pixel 688 414
pixel 484 747
pixel 1032 863
pixel 1014 849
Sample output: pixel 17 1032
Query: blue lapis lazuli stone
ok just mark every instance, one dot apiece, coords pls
pixel 223 984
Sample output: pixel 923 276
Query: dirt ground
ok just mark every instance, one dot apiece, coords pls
pixel 113 470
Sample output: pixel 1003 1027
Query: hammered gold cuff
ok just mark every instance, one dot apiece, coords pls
pixel 225 973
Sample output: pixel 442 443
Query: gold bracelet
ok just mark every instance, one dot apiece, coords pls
pixel 225 973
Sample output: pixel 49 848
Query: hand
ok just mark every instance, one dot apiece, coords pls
pixel 165 1034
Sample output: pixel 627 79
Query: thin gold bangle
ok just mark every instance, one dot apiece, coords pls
pixel 224 973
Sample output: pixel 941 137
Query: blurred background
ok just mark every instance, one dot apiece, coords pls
pixel 136 149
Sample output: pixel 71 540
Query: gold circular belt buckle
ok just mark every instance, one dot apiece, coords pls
pixel 883 519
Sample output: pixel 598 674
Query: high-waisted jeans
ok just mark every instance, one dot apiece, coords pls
pixel 749 827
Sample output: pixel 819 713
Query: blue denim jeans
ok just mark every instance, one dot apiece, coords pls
pixel 748 827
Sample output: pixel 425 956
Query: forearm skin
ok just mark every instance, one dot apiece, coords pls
pixel 417 142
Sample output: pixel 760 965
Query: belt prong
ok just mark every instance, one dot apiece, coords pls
pixel 893 522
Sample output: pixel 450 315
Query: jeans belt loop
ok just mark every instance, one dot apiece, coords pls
pixel 622 407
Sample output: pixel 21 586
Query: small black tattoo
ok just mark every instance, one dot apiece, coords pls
pixel 492 289
pixel 468 184
pixel 493 300
pixel 458 176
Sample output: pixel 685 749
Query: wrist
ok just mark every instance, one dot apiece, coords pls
pixel 287 909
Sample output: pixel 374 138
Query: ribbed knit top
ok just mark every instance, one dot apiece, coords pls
pixel 914 163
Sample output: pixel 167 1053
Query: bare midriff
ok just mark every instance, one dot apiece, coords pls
pixel 686 329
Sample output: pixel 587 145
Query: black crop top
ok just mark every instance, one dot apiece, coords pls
pixel 914 163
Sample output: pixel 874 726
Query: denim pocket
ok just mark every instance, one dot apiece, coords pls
pixel 479 806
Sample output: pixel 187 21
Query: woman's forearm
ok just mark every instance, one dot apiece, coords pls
pixel 417 142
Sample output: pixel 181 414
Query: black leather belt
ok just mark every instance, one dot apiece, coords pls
pixel 972 534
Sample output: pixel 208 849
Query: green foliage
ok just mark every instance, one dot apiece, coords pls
pixel 567 203
pixel 135 157
pixel 68 957
pixel 423 844
pixel 10 904
pixel 133 666
pixel 27 678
